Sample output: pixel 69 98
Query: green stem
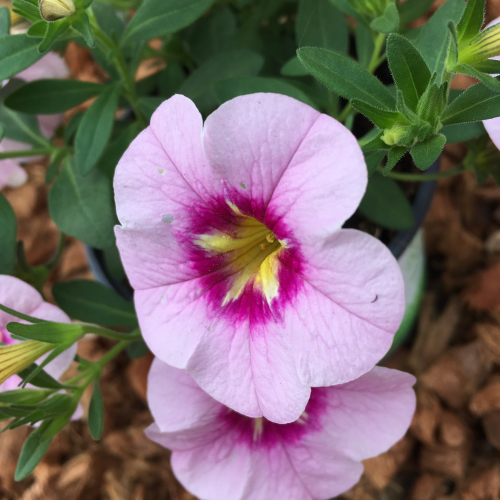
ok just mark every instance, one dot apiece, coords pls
pixel 25 152
pixel 58 254
pixel 400 176
pixel 377 59
pixel 120 65
pixel 111 334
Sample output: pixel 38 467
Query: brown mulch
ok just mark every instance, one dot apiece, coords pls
pixel 452 450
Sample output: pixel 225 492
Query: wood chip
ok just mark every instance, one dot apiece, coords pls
pixel 491 426
pixel 487 399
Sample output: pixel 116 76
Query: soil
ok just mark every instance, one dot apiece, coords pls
pixel 452 449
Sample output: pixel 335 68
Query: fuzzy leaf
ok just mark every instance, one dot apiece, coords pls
pixel 425 153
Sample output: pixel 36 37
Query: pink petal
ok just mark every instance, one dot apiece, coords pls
pixel 352 304
pixel 367 416
pixel 11 174
pixel 49 66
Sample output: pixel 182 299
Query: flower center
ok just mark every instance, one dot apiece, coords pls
pixel 252 251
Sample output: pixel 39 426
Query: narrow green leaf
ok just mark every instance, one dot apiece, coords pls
pixel 92 302
pixel 388 22
pixel 425 153
pixel 24 396
pixel 53 32
pixel 27 9
pixel 413 9
pixel 380 117
pixel 364 45
pixel 4 21
pixel 81 23
pixel 471 21
pixel 476 103
pixel 17 52
pixel 41 379
pixel 8 236
pixel 385 204
pixel 95 129
pixel 22 127
pixel 43 97
pixel 229 89
pixel 346 77
pixel 83 206
pixel 491 82
pixel 373 159
pixel 96 413
pixel 52 333
pixel 231 64
pixel 463 132
pixel 32 452
pixel 409 70
pixel 434 38
pixel 156 18
pixel 320 24
pixel 395 154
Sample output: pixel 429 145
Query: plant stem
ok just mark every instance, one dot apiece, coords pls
pixel 24 152
pixel 377 59
pixel 121 67
pixel 400 176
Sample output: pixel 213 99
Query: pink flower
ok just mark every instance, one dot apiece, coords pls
pixel 230 235
pixel 23 298
pixel 219 454
pixel 49 66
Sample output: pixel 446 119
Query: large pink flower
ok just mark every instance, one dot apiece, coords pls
pixel 23 298
pixel 219 454
pixel 230 235
pixel 49 66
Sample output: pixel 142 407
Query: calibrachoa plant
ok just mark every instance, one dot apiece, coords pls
pixel 249 194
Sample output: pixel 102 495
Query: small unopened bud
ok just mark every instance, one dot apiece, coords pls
pixel 53 10
pixel 393 135
pixel 17 357
pixel 484 46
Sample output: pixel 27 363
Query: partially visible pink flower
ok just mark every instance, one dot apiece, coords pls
pixel 23 298
pixel 219 454
pixel 49 66
pixel 230 235
pixel 492 125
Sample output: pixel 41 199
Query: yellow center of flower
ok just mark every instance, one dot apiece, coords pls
pixel 253 253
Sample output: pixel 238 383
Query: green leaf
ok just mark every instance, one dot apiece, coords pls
pixel 471 21
pixel 476 103
pixel 229 89
pixel 148 105
pixel 22 127
pixel 55 161
pixel 4 21
pixel 17 52
pixel 51 333
pixel 347 8
pixel 462 132
pixel 413 9
pixel 320 24
pixel 8 236
pixel 231 64
pixel 81 24
pixel 95 129
pixel 83 206
pixel 156 18
pixel 137 349
pixel 380 117
pixel 44 97
pixel 491 82
pixel 395 154
pixel 373 159
pixel 388 22
pixel 32 452
pixel 24 396
pixel 385 204
pixel 92 302
pixel 27 9
pixel 425 153
pixel 108 21
pixel 171 79
pixel 41 379
pixel 211 34
pixel 364 45
pixel 434 38
pixel 345 77
pixel 53 32
pixel 409 70
pixel 96 413
pixel 293 67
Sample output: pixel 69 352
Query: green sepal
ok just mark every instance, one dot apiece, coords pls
pixel 425 153
pixel 491 82
pixel 53 32
pixel 37 30
pixel 52 333
pixel 28 10
pixel 471 21
pixel 375 144
pixel 81 23
pixel 381 118
pixel 491 66
pixel 388 22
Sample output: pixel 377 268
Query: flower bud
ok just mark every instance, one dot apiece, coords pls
pixel 393 135
pixel 53 10
pixel 16 357
pixel 484 46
